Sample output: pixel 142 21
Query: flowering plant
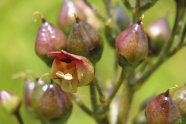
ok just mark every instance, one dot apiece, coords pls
pixel 72 50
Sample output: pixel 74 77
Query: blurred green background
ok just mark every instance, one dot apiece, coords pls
pixel 17 38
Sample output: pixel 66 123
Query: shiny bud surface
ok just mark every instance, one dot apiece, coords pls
pixel 49 38
pixel 158 33
pixel 85 41
pixel 55 103
pixel 66 15
pixel 180 97
pixel 72 70
pixel 132 45
pixel 162 110
pixel 37 93
pixel 28 90
pixel 9 101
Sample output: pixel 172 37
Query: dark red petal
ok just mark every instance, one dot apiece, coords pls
pixel 65 56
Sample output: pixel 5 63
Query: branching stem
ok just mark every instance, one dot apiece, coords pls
pixel 81 105
pixel 18 116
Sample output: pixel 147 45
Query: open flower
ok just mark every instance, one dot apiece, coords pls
pixel 72 70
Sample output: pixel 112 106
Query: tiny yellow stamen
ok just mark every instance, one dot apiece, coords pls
pixel 67 76
pixel 176 86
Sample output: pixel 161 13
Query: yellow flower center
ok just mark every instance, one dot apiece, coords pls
pixel 66 76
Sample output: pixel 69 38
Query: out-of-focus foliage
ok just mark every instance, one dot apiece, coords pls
pixel 17 38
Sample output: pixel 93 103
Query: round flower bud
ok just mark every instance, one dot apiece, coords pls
pixel 132 45
pixel 85 41
pixel 49 38
pixel 162 110
pixel 91 18
pixel 28 90
pixel 37 93
pixel 10 102
pixel 158 33
pixel 72 70
pixel 180 97
pixel 55 104
pixel 66 15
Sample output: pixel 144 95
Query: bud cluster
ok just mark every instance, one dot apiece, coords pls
pixel 72 51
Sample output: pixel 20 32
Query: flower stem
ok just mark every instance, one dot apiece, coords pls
pixel 107 4
pixel 81 105
pixel 93 97
pixel 99 89
pixel 116 88
pixel 180 13
pixel 99 15
pixel 127 4
pixel 18 116
pixel 126 99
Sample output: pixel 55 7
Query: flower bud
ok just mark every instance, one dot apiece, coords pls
pixel 10 102
pixel 28 90
pixel 49 38
pixel 84 40
pixel 72 70
pixel 66 15
pixel 162 110
pixel 37 93
pixel 132 45
pixel 91 18
pixel 55 104
pixel 120 17
pixel 158 33
pixel 180 97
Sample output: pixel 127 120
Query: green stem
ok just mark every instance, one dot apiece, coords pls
pixel 137 3
pixel 181 42
pixel 182 36
pixel 126 99
pixel 179 17
pixel 145 76
pixel 136 15
pixel 117 86
pixel 93 97
pixel 18 116
pixel 81 105
pixel 148 5
pixel 99 89
pixel 107 4
pixel 127 4
pixel 99 15
pixel 125 104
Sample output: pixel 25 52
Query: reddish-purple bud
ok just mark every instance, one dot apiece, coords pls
pixel 72 70
pixel 66 15
pixel 55 103
pixel 132 45
pixel 49 38
pixel 158 33
pixel 28 89
pixel 162 110
pixel 10 102
pixel 180 97
pixel 37 93
pixel 83 40
pixel 91 18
